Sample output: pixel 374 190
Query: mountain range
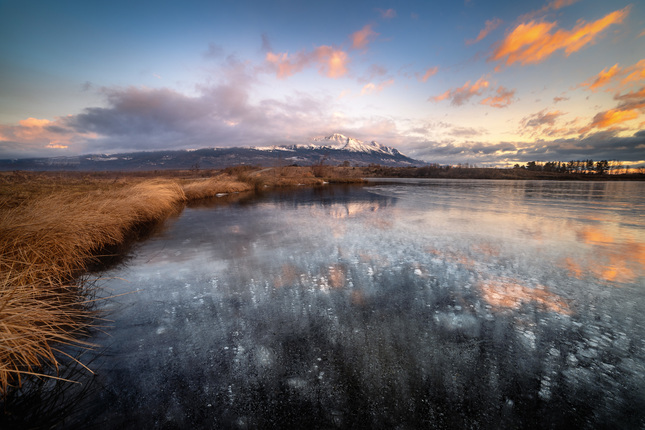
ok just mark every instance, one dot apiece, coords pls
pixel 333 150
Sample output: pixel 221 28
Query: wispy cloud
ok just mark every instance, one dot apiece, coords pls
pixel 552 5
pixel 387 13
pixel 331 62
pixel 631 106
pixel 603 78
pixel 362 37
pixel 459 96
pixel 610 118
pixel 489 26
pixel 541 118
pixel 533 42
pixel 428 74
pixel 502 98
pixel 634 73
pixel 371 88
pixel 214 51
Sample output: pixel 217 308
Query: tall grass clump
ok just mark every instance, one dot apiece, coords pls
pixel 200 189
pixel 46 243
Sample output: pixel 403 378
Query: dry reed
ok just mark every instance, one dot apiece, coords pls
pixel 52 227
pixel 199 189
pixel 45 245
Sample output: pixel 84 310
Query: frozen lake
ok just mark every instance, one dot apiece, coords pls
pixel 399 304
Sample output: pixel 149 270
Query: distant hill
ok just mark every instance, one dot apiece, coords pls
pixel 334 149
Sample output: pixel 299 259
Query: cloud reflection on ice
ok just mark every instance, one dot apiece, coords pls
pixel 444 304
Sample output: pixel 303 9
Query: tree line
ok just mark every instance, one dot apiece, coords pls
pixel 585 167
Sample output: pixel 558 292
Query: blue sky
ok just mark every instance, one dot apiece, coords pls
pixel 490 83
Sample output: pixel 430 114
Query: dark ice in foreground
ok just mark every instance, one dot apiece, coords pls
pixel 401 304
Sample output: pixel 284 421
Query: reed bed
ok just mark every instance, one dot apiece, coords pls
pixel 200 189
pixel 53 227
pixel 45 245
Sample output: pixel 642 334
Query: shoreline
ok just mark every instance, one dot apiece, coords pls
pixel 55 228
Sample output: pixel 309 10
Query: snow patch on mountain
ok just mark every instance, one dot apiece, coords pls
pixel 342 142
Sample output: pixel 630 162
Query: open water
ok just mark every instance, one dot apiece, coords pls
pixel 399 304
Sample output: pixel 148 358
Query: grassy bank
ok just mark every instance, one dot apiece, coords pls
pixel 53 226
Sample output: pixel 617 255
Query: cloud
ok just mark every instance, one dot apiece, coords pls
pixel 38 137
pixel 140 118
pixel 387 14
pixel 502 98
pixel 428 74
pixel 603 78
pixel 362 37
pixel 459 96
pixel 552 5
pixel 533 42
pixel 611 118
pixel 631 107
pixel 542 118
pixel 490 26
pixel 635 73
pixel 266 43
pixel 559 99
pixel 598 146
pixel 330 61
pixel 559 4
pixel 372 88
pixel 618 77
pixel 214 51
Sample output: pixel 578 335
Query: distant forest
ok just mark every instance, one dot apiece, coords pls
pixel 585 167
pixel 556 170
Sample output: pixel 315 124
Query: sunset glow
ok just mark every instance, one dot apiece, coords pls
pixel 444 83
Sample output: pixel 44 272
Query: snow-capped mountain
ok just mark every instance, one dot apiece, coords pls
pixel 333 150
pixel 342 142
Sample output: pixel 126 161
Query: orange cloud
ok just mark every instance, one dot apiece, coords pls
pixel 362 37
pixel 610 118
pixel 331 62
pixel 635 73
pixel 603 78
pixel 372 88
pixel 553 5
pixel 503 98
pixel 490 26
pixel 631 106
pixel 627 76
pixel 287 66
pixel 429 73
pixel 559 4
pixel 34 133
pixel 459 96
pixel 533 42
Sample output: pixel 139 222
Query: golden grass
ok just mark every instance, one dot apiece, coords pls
pixel 45 245
pixel 200 189
pixel 54 226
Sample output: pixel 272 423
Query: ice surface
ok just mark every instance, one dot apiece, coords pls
pixel 419 303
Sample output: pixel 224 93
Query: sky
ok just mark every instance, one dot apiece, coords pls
pixel 491 83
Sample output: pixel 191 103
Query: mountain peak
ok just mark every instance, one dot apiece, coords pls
pixel 342 142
